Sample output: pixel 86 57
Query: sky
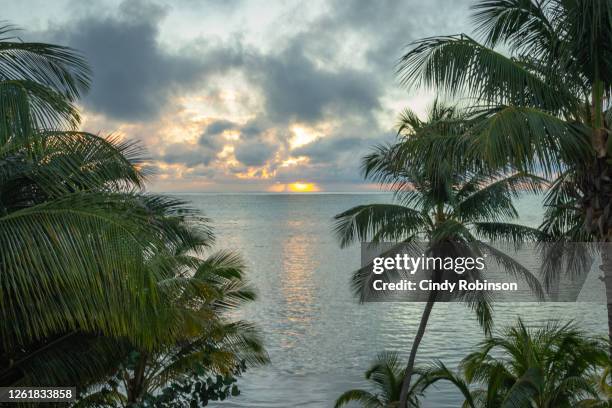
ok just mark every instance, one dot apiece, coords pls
pixel 245 95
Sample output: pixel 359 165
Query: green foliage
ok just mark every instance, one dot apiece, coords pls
pixel 552 366
pixel 541 108
pixel 386 375
pixel 538 77
pixel 196 389
pixel 194 393
pixel 535 109
pixel 197 340
pixel 439 205
pixel 446 205
pixel 39 84
pixel 101 283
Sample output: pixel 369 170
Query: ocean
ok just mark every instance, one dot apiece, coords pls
pixel 320 339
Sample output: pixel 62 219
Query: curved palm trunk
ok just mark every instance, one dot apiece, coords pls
pixel 598 209
pixel 603 188
pixel 415 345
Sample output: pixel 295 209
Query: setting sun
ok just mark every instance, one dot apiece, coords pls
pixel 296 187
pixel 299 187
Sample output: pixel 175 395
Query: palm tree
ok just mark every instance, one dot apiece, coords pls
pixel 386 376
pixel 76 231
pixel 544 107
pixel 548 367
pixel 446 208
pixel 95 273
pixel 202 340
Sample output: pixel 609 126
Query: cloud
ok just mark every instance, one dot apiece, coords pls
pixel 189 155
pixel 219 126
pixel 209 140
pixel 328 149
pixel 383 29
pixel 180 88
pixel 254 128
pixel 134 74
pixel 254 153
pixel 259 142
pixel 295 88
pixel 204 152
pixel 335 158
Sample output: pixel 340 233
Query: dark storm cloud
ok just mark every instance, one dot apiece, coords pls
pixel 322 173
pixel 259 142
pixel 253 128
pixel 254 153
pixel 210 137
pixel 133 74
pixel 219 126
pixel 296 89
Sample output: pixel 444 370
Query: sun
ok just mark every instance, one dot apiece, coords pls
pixel 295 187
pixel 301 187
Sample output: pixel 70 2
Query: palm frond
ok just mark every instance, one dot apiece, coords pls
pixel 460 65
pixel 60 68
pixel 525 25
pixel 491 199
pixel 438 371
pixel 528 139
pixel 92 242
pixel 514 268
pixel 386 222
pixel 365 398
pixel 503 231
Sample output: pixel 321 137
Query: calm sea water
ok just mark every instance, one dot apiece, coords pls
pixel 319 338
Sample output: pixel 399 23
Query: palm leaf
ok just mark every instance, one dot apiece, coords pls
pixel 388 222
pixel 60 68
pixel 460 65
pixel 366 399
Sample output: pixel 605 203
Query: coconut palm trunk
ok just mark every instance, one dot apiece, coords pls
pixel 415 346
pixel 601 204
pixel 600 144
pixel 599 132
pixel 135 385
